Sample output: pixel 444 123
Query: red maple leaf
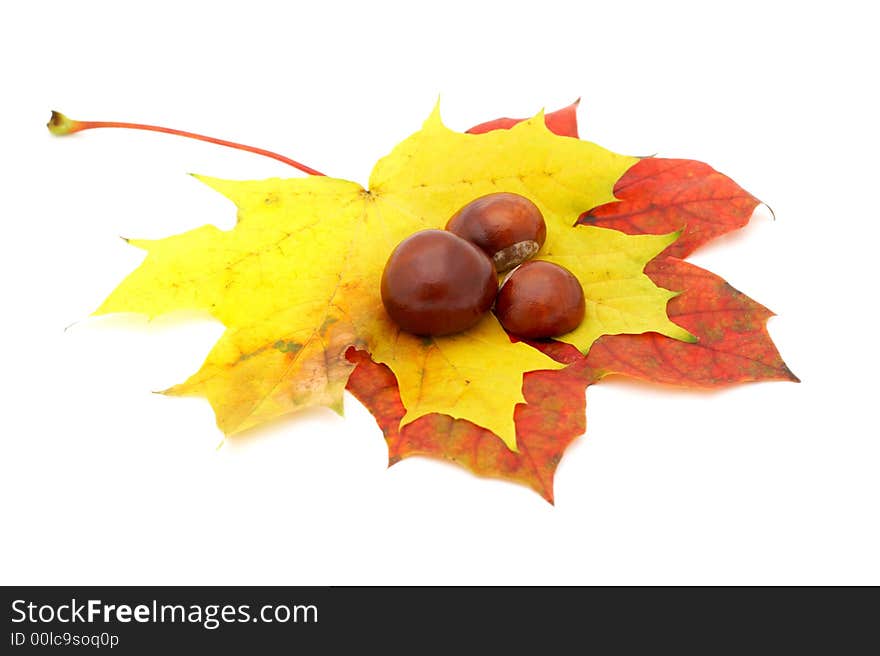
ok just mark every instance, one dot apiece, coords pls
pixel 659 196
pixel 733 344
pixel 551 418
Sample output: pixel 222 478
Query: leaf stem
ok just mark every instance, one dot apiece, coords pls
pixel 60 125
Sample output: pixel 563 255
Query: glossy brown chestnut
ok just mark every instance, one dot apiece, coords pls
pixel 540 299
pixel 436 283
pixel 508 227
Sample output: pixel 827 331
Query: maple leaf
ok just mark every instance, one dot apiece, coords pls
pixel 296 282
pixel 551 417
pixel 655 196
pixel 733 344
pixel 658 195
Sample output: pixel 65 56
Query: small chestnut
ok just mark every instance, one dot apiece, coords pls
pixel 508 227
pixel 539 300
pixel 436 283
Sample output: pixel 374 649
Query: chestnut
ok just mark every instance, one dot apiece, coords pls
pixel 436 283
pixel 508 227
pixel 539 300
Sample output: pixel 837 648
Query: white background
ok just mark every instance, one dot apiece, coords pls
pixel 103 482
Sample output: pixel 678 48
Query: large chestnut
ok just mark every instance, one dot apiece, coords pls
pixel 436 283
pixel 539 300
pixel 508 227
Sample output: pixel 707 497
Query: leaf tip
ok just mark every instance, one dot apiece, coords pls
pixel 536 122
pixel 769 209
pixel 789 374
pixel 217 184
pixel 337 406
pixel 180 389
pixel 678 332
pixel 434 119
pixel 508 437
pixel 143 244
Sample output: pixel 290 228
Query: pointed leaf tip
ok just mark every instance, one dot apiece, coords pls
pixel 435 120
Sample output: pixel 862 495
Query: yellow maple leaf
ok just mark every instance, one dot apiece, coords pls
pixel 296 281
